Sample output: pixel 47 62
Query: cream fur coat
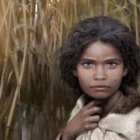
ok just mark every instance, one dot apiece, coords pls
pixel 122 123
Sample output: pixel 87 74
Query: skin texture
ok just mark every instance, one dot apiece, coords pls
pixel 99 71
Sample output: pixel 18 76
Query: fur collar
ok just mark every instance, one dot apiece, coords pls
pixel 124 118
pixel 126 103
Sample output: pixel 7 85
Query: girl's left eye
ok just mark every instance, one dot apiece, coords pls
pixel 112 65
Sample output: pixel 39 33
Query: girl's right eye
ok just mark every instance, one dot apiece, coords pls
pixel 88 64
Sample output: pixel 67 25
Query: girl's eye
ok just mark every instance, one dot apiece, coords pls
pixel 88 64
pixel 112 65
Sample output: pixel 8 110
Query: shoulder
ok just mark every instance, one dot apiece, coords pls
pixel 127 125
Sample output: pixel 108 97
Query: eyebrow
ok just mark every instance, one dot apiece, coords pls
pixel 114 59
pixel 86 59
pixel 107 60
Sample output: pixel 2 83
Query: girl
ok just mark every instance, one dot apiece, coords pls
pixel 101 59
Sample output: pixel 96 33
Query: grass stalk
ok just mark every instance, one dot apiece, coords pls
pixel 19 82
pixel 7 48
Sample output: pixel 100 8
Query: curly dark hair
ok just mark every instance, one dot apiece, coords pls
pixel 108 30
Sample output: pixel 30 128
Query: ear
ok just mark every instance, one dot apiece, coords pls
pixel 74 73
pixel 125 72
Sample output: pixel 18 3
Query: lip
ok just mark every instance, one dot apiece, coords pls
pixel 100 87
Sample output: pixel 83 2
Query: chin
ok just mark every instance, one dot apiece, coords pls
pixel 100 96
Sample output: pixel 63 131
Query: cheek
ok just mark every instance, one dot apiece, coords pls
pixel 116 79
pixel 84 79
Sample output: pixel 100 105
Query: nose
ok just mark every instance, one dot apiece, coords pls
pixel 100 73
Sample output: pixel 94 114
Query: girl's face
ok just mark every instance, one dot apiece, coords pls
pixel 100 70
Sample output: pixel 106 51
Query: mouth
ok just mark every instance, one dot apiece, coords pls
pixel 100 87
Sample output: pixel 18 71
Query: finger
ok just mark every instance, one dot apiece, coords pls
pixel 94 110
pixel 89 105
pixel 90 126
pixel 92 119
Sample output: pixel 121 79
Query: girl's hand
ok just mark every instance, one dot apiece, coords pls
pixel 85 120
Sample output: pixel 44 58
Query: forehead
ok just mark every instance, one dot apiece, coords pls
pixel 101 49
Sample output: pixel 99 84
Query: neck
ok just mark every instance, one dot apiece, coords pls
pixel 105 104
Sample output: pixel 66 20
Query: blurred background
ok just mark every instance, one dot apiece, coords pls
pixel 34 102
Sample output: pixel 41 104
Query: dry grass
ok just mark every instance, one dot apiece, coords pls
pixel 32 96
